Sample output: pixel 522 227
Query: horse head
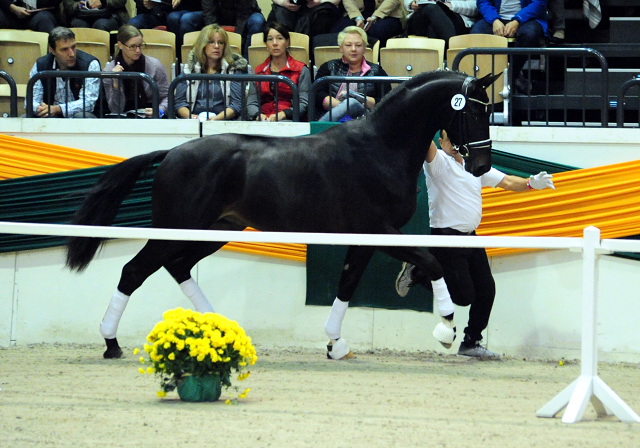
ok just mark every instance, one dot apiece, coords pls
pixel 469 126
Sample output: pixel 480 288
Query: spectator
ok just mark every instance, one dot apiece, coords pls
pixel 213 100
pixel 107 15
pixel 381 19
pixel 525 20
pixel 244 15
pixel 354 98
pixel 440 20
pixel 150 14
pixel 186 17
pixel 71 98
pixel 311 17
pixel 126 96
pixel 280 62
pixel 17 15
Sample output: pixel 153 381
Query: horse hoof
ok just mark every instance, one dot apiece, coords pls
pixel 339 350
pixel 113 349
pixel 445 334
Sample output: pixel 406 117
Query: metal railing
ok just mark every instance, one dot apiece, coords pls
pixel 50 75
pixel 13 93
pixel 319 83
pixel 623 101
pixel 560 101
pixel 244 81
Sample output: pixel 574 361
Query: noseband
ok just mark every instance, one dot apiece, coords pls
pixel 465 149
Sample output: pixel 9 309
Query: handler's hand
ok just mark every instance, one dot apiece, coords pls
pixel 541 181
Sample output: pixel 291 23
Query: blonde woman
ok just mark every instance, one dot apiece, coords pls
pixel 336 101
pixel 124 96
pixel 211 100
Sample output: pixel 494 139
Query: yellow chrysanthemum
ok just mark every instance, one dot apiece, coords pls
pixel 136 351
pixel 161 393
pixel 150 370
pixel 227 401
pixel 141 360
pixel 141 370
pixel 172 356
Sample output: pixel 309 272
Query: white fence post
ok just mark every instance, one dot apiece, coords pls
pixel 588 386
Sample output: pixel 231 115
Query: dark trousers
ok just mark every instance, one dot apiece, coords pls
pixel 469 280
pixel 436 21
pixel 43 21
pixel 529 34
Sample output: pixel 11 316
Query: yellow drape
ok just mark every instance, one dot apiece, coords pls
pixel 607 197
pixel 20 157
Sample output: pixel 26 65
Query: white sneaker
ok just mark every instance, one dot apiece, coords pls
pixel 404 281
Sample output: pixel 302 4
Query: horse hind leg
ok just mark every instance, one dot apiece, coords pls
pixel 355 263
pixel 180 269
pixel 134 273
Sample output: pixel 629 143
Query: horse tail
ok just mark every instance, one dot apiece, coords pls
pixel 101 205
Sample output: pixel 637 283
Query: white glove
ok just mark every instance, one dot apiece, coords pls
pixel 541 181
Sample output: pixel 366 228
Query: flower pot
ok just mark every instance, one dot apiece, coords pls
pixel 200 388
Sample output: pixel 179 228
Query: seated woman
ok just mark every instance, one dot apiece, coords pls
pixel 211 100
pixel 280 62
pixel 440 20
pixel 334 101
pixel 129 58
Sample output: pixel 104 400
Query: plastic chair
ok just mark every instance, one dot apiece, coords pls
pixel 162 46
pixel 5 99
pixel 484 62
pixel 95 42
pixel 420 53
pixel 19 50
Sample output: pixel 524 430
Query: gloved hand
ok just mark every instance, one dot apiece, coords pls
pixel 541 181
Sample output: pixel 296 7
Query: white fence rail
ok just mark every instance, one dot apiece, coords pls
pixel 575 397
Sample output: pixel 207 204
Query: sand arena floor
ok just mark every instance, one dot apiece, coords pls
pixel 68 396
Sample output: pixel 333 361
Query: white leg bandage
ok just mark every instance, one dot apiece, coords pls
pixel 334 321
pixel 111 319
pixel 193 292
pixel 443 299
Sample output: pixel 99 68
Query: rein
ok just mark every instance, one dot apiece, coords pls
pixel 465 149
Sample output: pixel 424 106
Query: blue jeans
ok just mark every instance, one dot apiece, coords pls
pixel 255 24
pixel 182 22
pixel 529 34
pixel 354 109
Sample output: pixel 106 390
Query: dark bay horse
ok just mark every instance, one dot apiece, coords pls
pixel 358 177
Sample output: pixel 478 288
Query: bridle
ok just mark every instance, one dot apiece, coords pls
pixel 465 149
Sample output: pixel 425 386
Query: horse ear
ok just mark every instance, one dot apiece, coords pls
pixel 487 80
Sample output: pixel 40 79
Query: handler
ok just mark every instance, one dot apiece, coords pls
pixel 455 208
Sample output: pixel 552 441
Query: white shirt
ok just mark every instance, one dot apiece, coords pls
pixel 455 198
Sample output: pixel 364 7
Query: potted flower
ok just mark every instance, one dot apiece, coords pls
pixel 197 353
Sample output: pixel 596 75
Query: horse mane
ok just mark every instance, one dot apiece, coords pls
pixel 419 80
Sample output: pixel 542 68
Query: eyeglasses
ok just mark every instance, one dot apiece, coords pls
pixel 216 43
pixel 135 47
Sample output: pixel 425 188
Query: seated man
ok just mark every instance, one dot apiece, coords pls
pixel 65 98
pixel 526 20
pixel 18 15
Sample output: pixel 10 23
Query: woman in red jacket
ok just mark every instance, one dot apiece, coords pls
pixel 279 62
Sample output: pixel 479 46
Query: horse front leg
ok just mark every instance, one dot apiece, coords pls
pixel 355 263
pixel 421 267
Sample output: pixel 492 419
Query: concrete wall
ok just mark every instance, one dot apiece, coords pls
pixel 537 310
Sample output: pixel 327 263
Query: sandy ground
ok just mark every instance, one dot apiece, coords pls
pixel 68 396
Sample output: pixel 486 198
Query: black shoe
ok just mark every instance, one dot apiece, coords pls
pixel 556 40
pixel 522 85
